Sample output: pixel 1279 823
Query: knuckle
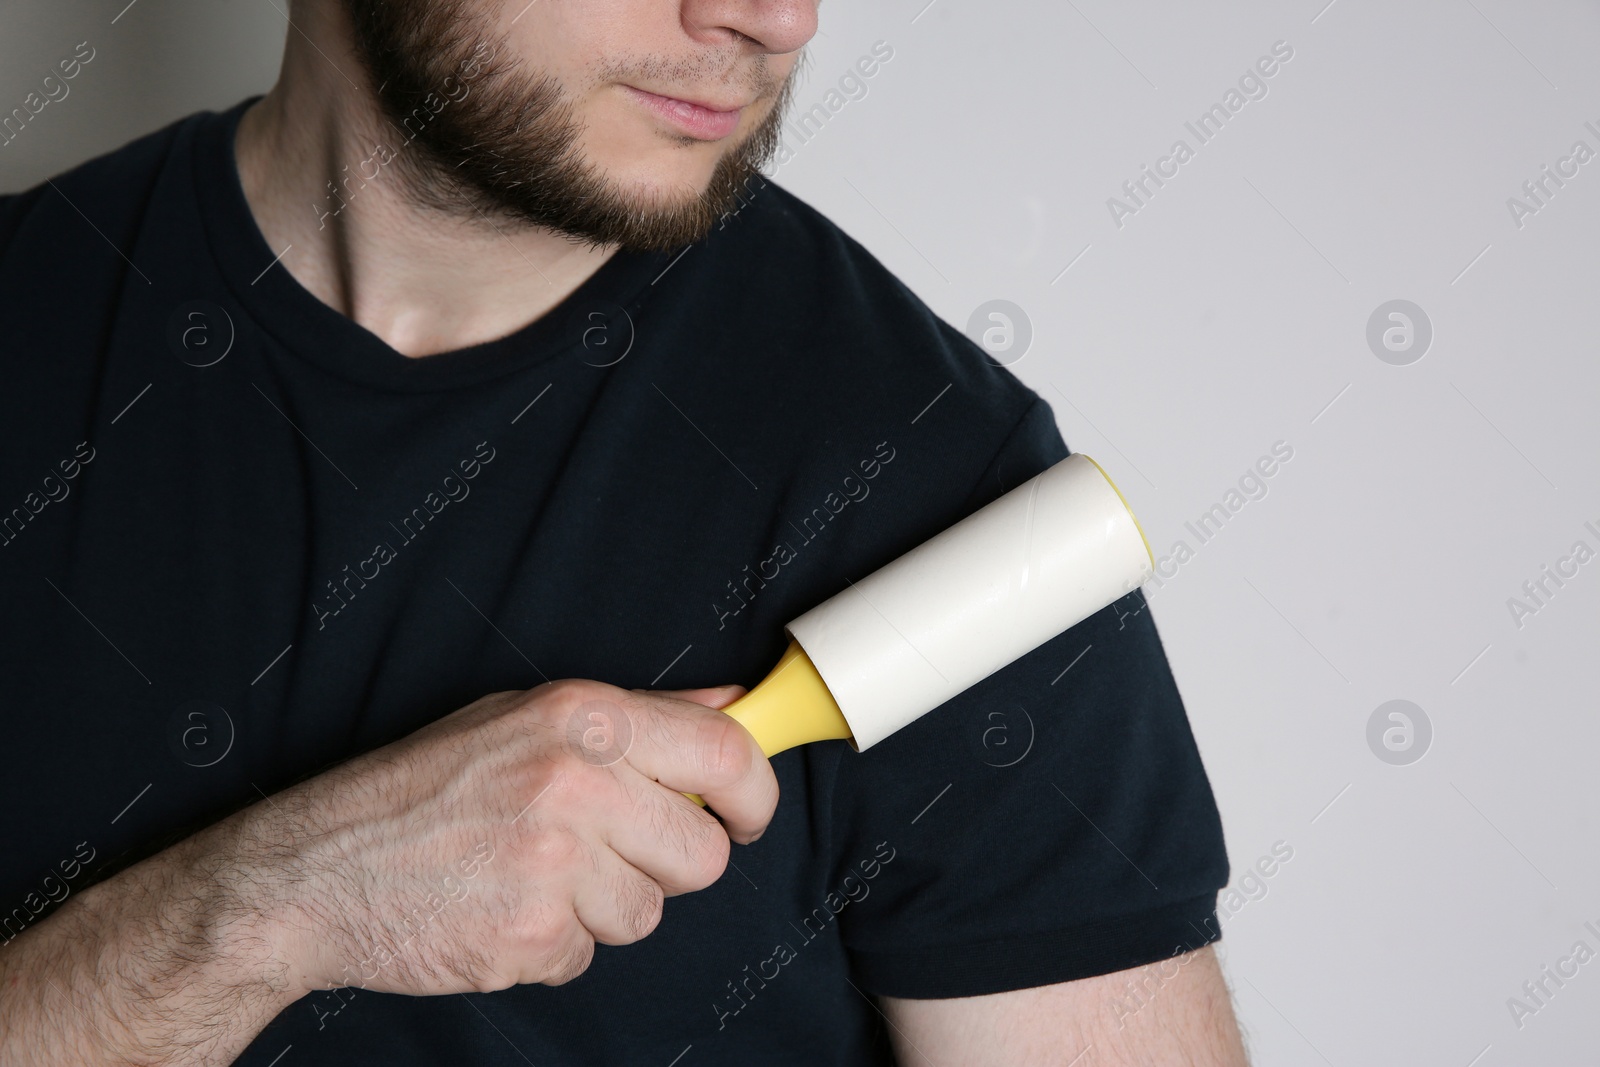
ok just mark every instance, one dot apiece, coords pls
pixel 580 721
pixel 705 848
pixel 699 842
pixel 542 938
pixel 640 905
pixel 599 732
pixel 482 979
pixel 714 857
pixel 552 700
pixel 723 749
pixel 571 960
pixel 565 687
pixel 553 849
pixel 573 784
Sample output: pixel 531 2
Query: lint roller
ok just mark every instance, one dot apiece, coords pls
pixel 924 628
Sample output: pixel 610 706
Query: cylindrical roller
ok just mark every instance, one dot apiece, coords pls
pixel 977 596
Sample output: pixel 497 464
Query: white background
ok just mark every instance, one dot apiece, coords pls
pixel 1230 313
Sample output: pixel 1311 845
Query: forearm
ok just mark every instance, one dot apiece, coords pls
pixel 184 958
pixel 168 962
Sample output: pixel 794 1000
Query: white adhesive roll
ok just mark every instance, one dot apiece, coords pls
pixel 981 594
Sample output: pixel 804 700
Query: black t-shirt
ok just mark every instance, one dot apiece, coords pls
pixel 241 539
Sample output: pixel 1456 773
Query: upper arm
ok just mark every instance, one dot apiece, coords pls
pixel 1038 836
pixel 1177 1011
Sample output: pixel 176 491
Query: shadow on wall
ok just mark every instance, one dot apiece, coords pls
pixel 152 62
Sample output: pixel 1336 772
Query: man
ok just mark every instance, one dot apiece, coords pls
pixel 479 356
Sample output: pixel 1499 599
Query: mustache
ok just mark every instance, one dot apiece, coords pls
pixel 726 68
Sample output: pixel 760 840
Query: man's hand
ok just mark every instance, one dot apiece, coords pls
pixel 497 845
pixel 492 847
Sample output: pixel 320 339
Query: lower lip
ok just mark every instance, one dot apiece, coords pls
pixel 696 121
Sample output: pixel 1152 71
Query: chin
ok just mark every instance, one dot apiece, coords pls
pixel 658 180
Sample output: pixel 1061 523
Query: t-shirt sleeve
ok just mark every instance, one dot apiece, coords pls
pixel 1053 822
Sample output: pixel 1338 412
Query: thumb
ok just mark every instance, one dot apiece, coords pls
pixel 719 696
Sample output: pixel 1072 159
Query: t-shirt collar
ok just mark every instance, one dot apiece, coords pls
pixel 311 330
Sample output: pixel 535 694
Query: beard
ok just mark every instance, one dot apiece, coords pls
pixel 499 141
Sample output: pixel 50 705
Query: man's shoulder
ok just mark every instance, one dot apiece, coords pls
pixel 780 235
pixel 832 359
pixel 108 192
pixel 823 308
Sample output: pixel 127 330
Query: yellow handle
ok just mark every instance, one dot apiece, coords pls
pixel 791 706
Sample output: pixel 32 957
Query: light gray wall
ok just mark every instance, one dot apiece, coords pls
pixel 154 61
pixel 1228 313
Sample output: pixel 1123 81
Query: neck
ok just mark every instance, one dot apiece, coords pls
pixel 421 279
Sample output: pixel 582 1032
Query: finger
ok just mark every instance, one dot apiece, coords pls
pixel 719 697
pixel 619 904
pixel 690 748
pixel 571 958
pixel 681 847
pixel 549 946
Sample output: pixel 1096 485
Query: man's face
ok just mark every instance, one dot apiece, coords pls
pixel 633 122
